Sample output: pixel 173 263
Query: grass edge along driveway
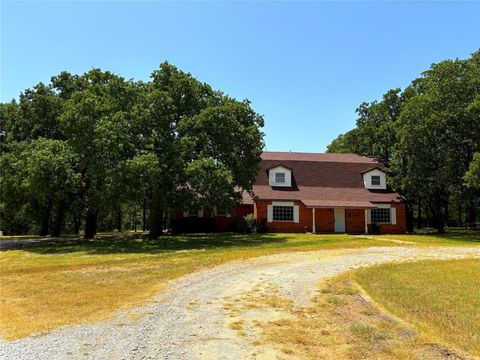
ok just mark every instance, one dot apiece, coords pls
pixel 47 287
pixel 441 298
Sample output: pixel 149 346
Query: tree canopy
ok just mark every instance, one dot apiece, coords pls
pixel 83 147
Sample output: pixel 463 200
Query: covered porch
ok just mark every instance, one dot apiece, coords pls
pixel 350 217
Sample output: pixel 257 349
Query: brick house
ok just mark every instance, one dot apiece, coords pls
pixel 320 193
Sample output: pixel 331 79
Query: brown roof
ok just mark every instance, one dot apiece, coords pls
pixel 322 180
pixel 296 156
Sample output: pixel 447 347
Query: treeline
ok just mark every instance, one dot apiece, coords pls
pixel 429 136
pixel 90 151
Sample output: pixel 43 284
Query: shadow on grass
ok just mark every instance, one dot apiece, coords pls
pixel 140 243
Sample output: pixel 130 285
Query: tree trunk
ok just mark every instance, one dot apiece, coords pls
pixel 438 218
pixel 409 209
pixel 76 225
pixel 471 213
pixel 419 216
pixel 119 219
pixel 59 218
pixel 156 215
pixel 90 224
pixel 460 222
pixel 144 210
pixel 45 221
pixel 447 213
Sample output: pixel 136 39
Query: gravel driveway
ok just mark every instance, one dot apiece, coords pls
pixel 189 320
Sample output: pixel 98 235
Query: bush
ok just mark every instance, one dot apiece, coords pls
pixel 262 226
pixel 246 225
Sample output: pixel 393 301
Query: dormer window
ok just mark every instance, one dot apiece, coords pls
pixel 280 178
pixel 375 179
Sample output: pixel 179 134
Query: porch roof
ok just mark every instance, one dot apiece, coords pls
pixel 338 204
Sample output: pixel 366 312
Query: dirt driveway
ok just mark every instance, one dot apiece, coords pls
pixel 191 319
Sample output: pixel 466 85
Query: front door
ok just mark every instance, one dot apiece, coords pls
pixel 339 220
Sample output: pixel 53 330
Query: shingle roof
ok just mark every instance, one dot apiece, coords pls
pixel 322 180
pixel 246 198
pixel 297 156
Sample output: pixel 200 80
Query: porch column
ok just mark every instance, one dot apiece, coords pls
pixel 366 220
pixel 313 221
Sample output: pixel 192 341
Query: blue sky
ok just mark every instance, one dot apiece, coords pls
pixel 305 66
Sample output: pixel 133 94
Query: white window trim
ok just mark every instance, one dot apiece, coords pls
pixel 283 203
pixel 393 216
pixel 382 206
pixel 296 211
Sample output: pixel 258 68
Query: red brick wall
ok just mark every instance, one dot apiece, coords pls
pixel 324 220
pixel 355 221
pixel 304 217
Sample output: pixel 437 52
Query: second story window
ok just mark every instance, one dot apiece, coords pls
pixel 280 178
pixel 375 180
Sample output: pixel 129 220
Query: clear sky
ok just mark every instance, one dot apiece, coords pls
pixel 305 66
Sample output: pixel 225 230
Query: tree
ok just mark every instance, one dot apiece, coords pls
pixel 42 174
pixel 440 131
pixel 96 121
pixel 472 176
pixel 207 145
pixel 376 131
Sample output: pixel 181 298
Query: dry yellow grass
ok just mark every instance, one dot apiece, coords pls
pixel 441 298
pixel 343 324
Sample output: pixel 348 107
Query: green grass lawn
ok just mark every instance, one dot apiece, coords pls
pixel 440 298
pixel 73 281
pixel 460 237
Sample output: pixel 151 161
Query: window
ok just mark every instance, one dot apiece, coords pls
pixel 375 179
pixel 280 177
pixel 381 215
pixel 282 213
pixel 221 212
